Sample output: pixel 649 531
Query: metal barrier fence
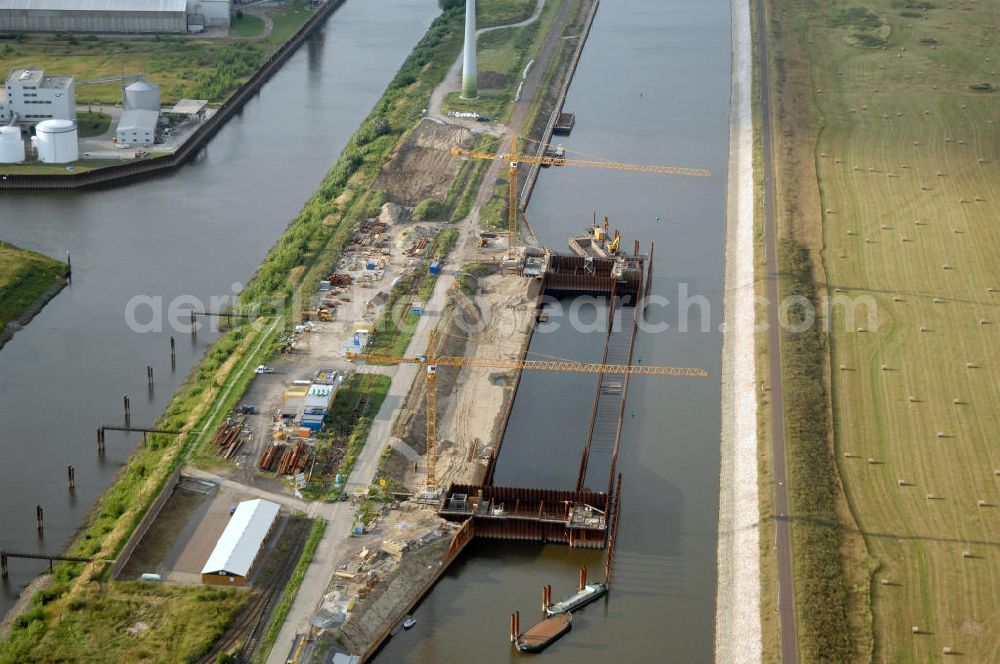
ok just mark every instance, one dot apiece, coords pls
pixel 147 521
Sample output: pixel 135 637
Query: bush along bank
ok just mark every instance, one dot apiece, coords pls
pixel 821 587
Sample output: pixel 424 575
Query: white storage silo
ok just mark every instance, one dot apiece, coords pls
pixel 56 141
pixel 11 146
pixel 142 96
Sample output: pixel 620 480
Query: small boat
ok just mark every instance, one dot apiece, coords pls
pixel 408 622
pixel 539 636
pixel 580 598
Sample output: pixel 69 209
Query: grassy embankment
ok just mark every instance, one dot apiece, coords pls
pixel 902 142
pixel 309 247
pixel 24 277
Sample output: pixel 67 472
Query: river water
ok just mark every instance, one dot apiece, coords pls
pixel 193 233
pixel 652 87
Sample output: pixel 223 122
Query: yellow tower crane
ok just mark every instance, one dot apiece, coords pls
pixel 430 362
pixel 513 159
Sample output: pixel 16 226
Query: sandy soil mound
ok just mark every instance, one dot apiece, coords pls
pixel 424 167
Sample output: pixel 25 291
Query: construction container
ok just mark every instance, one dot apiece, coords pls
pixel 435 267
pixel 311 423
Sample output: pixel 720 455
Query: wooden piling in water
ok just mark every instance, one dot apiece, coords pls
pixel 40 516
pixel 71 475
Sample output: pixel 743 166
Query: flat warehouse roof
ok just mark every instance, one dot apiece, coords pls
pixel 138 120
pixel 240 542
pixel 187 106
pixel 96 5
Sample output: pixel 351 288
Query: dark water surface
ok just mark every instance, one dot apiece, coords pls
pixel 193 233
pixel 652 87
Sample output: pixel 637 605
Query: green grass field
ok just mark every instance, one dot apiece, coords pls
pixel 24 277
pixel 503 12
pixel 246 25
pixel 910 185
pixel 92 123
pixel 167 623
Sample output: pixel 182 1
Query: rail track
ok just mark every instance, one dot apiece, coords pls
pixel 243 638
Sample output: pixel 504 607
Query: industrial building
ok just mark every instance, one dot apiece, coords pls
pixel 56 141
pixel 32 96
pixel 208 13
pixel 141 95
pixel 11 146
pixel 93 15
pixel 239 547
pixel 130 16
pixel 137 127
pixel 316 405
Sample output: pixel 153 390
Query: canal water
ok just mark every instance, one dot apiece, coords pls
pixel 192 234
pixel 652 87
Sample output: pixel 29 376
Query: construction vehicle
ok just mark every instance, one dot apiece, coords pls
pixel 430 364
pixel 514 159
pixel 322 314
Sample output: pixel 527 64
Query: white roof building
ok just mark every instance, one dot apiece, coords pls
pixel 137 127
pixel 241 541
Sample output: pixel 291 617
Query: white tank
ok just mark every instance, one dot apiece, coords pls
pixel 11 145
pixel 56 141
pixel 142 96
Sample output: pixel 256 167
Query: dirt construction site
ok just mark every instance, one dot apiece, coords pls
pixel 423 166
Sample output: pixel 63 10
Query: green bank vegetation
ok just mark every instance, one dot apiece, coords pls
pixel 821 588
pixel 901 101
pixel 24 277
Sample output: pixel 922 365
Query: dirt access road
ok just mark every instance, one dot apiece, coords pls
pixel 783 529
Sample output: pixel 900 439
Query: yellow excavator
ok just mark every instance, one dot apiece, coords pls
pixel 601 238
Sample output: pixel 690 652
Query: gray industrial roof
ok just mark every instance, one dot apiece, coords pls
pixel 96 5
pixel 37 76
pixel 188 106
pixel 138 120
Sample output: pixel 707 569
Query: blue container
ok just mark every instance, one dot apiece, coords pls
pixel 435 267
